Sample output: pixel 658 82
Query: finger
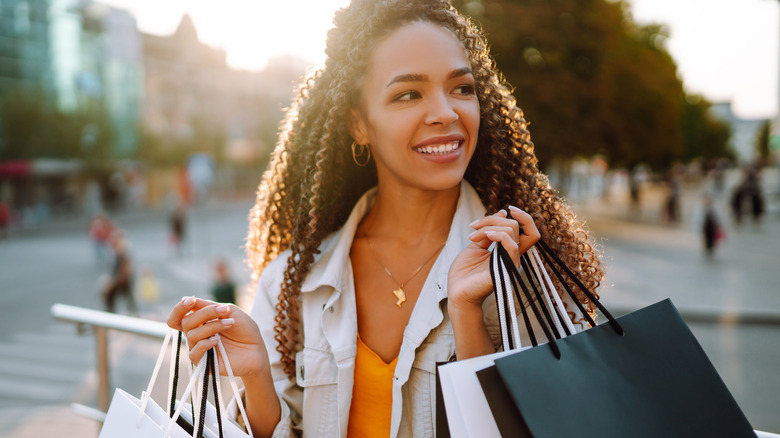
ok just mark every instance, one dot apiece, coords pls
pixel 208 330
pixel 506 229
pixel 500 214
pixel 206 314
pixel 198 350
pixel 506 240
pixel 183 307
pixel 530 234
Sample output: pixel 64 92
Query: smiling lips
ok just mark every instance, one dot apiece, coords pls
pixel 438 149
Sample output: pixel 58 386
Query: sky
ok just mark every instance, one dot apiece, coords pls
pixel 726 50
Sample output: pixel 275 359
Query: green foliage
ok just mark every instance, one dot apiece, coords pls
pixel 703 135
pixel 589 79
pixel 30 128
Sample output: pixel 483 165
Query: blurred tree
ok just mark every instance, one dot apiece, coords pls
pixel 762 143
pixel 31 128
pixel 703 135
pixel 156 150
pixel 589 79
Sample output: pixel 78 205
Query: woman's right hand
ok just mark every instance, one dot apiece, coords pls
pixel 200 320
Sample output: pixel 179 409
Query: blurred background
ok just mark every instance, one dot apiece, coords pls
pixel 133 134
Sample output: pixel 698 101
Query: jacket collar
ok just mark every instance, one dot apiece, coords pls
pixel 330 268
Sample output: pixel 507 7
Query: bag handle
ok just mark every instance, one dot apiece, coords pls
pixel 200 373
pixel 548 253
pixel 551 329
pixel 514 274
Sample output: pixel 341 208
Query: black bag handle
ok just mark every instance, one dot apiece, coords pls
pixel 543 317
pixel 547 251
pixel 210 372
pixel 504 287
pixel 516 280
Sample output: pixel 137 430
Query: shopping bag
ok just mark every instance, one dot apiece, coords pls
pixel 130 417
pixel 463 409
pixel 641 375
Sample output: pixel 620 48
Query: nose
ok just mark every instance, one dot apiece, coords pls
pixel 440 110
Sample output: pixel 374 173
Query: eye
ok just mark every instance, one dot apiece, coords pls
pixel 406 96
pixel 465 89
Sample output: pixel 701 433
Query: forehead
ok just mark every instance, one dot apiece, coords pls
pixel 418 47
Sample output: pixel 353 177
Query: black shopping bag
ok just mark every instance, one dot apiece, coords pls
pixel 641 375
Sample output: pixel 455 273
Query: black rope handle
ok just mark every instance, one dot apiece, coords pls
pixel 538 275
pixel 204 394
pixel 214 376
pixel 509 337
pixel 172 405
pixel 612 322
pixel 514 274
pixel 210 372
pixel 528 267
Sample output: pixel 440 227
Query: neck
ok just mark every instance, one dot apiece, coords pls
pixel 411 215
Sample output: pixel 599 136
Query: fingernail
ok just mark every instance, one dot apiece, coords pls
pixel 223 308
pixel 213 338
pixel 502 211
pixel 513 208
pixel 188 301
pixel 474 223
pixel 227 322
pixel 471 235
pixel 490 233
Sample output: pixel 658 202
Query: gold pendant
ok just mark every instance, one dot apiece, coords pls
pixel 401 295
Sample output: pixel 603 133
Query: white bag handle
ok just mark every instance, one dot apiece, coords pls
pixel 192 387
pixel 505 297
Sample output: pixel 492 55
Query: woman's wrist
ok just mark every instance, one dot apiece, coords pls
pixel 471 335
pixel 262 403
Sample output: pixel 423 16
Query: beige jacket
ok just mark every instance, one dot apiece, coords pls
pixel 317 402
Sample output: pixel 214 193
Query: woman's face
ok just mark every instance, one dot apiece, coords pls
pixel 419 109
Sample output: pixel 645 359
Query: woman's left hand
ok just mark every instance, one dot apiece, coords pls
pixel 469 281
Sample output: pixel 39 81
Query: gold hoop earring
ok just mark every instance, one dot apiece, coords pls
pixel 359 150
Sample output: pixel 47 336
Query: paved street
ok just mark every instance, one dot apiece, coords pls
pixel 46 365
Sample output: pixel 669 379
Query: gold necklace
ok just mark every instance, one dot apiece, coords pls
pixel 399 293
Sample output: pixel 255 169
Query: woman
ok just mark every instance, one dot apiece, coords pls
pixel 363 290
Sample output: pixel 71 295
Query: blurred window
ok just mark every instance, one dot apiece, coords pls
pixel 22 18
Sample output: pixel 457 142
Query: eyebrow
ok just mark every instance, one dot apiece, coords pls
pixel 417 77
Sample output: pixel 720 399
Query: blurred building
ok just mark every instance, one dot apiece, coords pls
pixel 77 55
pixel 744 132
pixel 24 47
pixel 185 83
pixel 192 96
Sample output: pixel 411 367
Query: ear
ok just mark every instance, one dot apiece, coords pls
pixel 357 127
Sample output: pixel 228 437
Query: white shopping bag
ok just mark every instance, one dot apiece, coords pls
pixel 463 395
pixel 121 420
pixel 130 417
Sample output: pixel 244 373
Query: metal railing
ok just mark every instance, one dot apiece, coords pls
pixel 100 323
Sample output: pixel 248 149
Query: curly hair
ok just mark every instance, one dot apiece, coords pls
pixel 312 185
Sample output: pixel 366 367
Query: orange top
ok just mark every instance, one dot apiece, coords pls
pixel 372 394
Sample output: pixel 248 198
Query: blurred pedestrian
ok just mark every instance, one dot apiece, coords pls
pixel 748 198
pixel 121 283
pixel 224 289
pixel 5 219
pixel 712 229
pixel 100 230
pixel 178 225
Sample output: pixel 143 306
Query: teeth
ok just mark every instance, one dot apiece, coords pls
pixel 439 149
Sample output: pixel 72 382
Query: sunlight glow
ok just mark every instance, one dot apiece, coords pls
pixel 251 31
